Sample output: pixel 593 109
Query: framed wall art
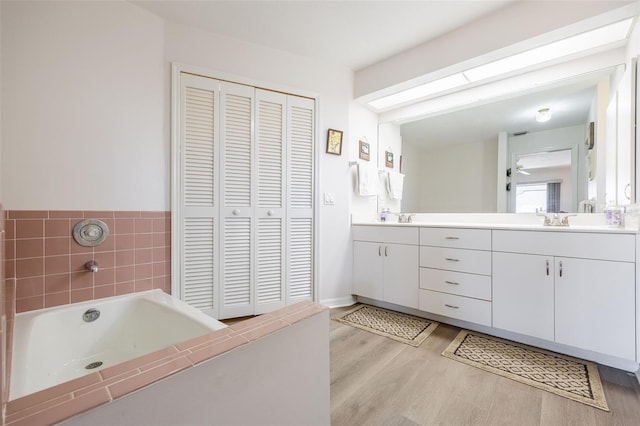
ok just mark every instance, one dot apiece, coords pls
pixel 334 142
pixel 363 150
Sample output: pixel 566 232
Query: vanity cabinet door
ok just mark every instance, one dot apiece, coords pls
pixel 368 269
pixel 401 275
pixel 523 294
pixel 595 305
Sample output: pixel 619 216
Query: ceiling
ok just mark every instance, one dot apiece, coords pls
pixel 351 33
pixel 357 34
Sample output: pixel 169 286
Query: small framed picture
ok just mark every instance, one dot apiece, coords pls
pixel 334 142
pixel 388 159
pixel 364 150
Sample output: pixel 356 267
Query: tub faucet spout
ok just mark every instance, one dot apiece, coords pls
pixel 92 266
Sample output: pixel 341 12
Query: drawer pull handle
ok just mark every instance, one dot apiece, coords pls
pixel 385 250
pixel 451 259
pixel 379 250
pixel 452 282
pixel 451 306
pixel 451 238
pixel 561 269
pixel 547 268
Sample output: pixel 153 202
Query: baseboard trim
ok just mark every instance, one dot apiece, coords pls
pixel 339 302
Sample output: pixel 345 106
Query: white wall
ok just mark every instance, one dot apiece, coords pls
pixel 363 124
pixel 84 130
pixel 457 178
pixel 89 123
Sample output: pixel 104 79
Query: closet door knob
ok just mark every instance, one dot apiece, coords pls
pixel 235 212
pixel 270 213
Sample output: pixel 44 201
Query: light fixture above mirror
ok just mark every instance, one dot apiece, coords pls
pixel 569 47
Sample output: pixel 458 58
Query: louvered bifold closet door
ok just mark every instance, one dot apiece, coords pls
pixel 300 189
pixel 270 171
pixel 198 176
pixel 236 136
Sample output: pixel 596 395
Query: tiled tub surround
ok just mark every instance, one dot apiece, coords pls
pixel 60 402
pixel 48 264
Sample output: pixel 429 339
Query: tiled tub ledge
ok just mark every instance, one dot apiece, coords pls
pixel 60 402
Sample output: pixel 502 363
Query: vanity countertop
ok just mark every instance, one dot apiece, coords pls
pixel 525 222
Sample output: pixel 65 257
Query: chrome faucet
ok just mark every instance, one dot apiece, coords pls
pixel 555 219
pixel 405 218
pixel 91 266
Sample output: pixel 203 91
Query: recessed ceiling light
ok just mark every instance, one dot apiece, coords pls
pixel 543 115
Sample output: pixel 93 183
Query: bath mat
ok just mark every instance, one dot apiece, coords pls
pixel 559 374
pixel 394 325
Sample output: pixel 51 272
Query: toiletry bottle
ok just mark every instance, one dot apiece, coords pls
pixel 383 215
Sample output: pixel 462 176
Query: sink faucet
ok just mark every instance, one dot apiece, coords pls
pixel 555 219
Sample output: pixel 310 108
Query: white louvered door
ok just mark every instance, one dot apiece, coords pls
pixel 237 158
pixel 244 180
pixel 300 185
pixel 271 187
pixel 198 177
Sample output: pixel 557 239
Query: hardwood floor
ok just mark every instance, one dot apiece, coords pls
pixel 378 381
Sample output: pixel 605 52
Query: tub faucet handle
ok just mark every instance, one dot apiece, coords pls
pixel 92 266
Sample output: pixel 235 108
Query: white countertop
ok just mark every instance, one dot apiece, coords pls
pixel 584 222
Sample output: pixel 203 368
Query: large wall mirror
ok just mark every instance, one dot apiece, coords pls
pixel 496 157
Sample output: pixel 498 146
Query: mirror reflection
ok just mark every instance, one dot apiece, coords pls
pixel 542 182
pixel 497 158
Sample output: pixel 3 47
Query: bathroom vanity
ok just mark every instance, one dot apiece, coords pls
pixel 568 289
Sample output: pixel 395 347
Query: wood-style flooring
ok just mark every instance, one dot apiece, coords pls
pixel 378 381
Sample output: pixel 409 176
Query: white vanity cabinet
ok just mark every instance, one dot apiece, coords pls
pixel 385 264
pixel 455 273
pixel 573 288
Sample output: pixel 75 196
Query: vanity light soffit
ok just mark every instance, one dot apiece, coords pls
pixel 436 86
pixel 593 39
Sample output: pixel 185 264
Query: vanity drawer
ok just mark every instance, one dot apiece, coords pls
pixel 460 283
pixel 386 234
pixel 620 247
pixel 478 239
pixel 459 307
pixel 460 260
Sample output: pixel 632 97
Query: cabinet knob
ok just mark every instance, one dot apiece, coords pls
pixel 269 212
pixel 235 212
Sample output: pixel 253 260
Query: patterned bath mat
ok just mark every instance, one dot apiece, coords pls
pixel 559 374
pixel 394 325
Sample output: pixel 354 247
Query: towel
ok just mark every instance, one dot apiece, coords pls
pixel 367 180
pixel 395 182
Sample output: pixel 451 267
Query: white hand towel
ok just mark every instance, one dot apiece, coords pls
pixel 396 182
pixel 367 180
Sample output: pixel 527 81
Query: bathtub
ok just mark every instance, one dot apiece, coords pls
pixel 55 345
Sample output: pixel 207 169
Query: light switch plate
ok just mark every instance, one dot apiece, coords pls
pixel 329 199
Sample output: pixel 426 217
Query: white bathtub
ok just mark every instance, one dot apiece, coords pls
pixel 55 345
